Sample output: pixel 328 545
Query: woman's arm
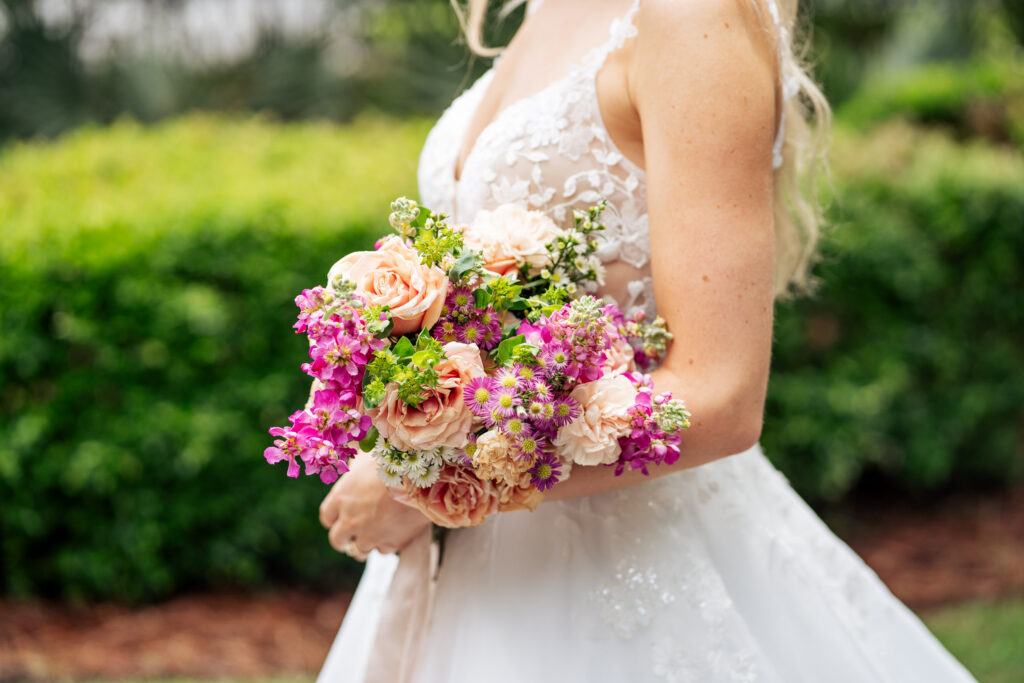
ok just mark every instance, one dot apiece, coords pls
pixel 702 80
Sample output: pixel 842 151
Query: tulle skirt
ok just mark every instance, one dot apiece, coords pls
pixel 717 573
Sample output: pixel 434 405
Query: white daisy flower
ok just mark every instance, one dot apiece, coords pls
pixel 425 476
pixel 450 455
pixel 389 475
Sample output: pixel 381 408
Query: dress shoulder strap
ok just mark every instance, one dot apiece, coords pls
pixel 621 28
pixel 790 81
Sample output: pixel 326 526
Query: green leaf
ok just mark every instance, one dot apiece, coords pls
pixel 403 348
pixel 481 297
pixel 463 264
pixel 367 444
pixel 385 332
pixel 506 348
pixel 424 359
pixel 518 304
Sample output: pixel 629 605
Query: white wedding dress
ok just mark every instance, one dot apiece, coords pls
pixel 717 573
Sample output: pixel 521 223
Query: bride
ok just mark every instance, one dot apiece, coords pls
pixel 684 115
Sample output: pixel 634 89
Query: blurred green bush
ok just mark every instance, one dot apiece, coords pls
pixel 147 279
pixel 983 97
pixel 146 285
pixel 911 359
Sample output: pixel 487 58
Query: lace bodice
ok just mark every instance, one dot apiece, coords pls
pixel 551 152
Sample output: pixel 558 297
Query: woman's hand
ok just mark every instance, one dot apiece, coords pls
pixel 360 511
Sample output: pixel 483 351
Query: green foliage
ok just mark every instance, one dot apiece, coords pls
pixel 911 360
pixel 146 286
pixel 980 98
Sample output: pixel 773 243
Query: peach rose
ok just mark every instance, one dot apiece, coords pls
pixel 510 236
pixel 592 439
pixel 393 276
pixel 442 418
pixel 493 459
pixel 458 498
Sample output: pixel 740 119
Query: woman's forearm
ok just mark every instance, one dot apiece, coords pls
pixel 726 420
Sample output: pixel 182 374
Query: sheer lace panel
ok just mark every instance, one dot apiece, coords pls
pixel 551 152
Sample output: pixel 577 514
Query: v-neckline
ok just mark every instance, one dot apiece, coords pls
pixel 574 68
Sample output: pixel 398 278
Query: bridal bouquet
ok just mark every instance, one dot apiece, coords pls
pixel 472 364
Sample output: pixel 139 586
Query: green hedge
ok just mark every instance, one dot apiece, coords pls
pixel 147 279
pixel 911 359
pixel 983 97
pixel 146 284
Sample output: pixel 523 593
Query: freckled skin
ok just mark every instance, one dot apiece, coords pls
pixel 701 75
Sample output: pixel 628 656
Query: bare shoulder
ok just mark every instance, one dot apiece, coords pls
pixel 684 23
pixel 704 41
pixel 705 65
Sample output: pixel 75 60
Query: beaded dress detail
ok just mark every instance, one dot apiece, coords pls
pixel 720 573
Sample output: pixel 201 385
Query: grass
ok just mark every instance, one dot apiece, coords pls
pixel 988 638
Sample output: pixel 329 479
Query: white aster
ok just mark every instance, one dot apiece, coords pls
pixel 425 476
pixel 389 475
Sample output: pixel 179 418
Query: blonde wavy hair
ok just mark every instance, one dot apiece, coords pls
pixel 808 117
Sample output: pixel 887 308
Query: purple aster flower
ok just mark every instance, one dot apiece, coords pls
pixel 537 410
pixel 460 300
pixel 490 337
pixel 546 471
pixel 445 331
pixel 566 409
pixel 515 428
pixel 543 391
pixel 477 394
pixel 555 355
pixel 527 373
pixel 528 447
pixel 508 378
pixel 471 333
pixel 504 402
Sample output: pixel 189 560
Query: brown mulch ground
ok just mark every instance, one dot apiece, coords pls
pixel 966 546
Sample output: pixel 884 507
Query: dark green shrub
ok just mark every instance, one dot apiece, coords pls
pixel 146 286
pixel 911 360
pixel 983 97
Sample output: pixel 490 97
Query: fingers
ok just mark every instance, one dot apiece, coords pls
pixel 328 514
pixel 329 508
pixel 357 553
pixel 339 536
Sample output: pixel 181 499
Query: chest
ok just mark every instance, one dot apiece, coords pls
pixel 551 151
pixel 543 49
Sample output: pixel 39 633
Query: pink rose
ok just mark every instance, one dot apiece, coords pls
pixel 593 438
pixel 510 236
pixel 393 276
pixel 442 418
pixel 457 499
